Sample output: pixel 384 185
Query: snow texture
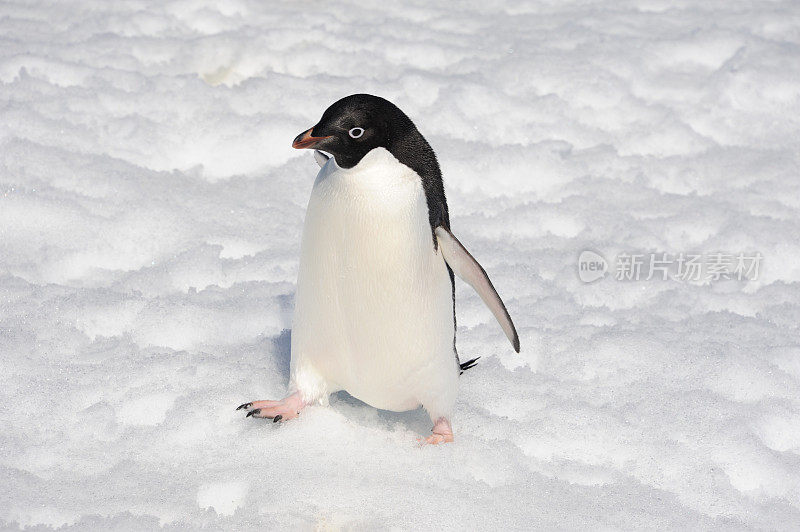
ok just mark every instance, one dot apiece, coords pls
pixel 150 214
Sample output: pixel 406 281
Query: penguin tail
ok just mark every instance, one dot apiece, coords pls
pixel 468 364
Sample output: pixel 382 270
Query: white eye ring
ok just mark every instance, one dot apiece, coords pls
pixel 356 132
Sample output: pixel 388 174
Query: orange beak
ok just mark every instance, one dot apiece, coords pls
pixel 305 140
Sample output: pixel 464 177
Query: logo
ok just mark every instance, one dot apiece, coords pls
pixel 683 267
pixel 591 266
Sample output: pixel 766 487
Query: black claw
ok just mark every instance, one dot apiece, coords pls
pixel 253 412
pixel 244 406
pixel 277 418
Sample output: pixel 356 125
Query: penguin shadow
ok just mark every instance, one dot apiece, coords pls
pixel 365 415
pixel 286 310
pixel 282 349
pixel 354 409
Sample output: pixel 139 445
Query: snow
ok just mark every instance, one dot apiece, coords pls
pixel 150 216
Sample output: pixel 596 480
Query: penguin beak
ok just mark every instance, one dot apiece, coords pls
pixel 305 140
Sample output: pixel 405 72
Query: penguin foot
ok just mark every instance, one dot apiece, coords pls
pixel 442 433
pixel 283 410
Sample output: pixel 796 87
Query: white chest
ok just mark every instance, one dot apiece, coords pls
pixel 374 303
pixel 372 218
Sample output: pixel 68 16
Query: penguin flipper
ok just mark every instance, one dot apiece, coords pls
pixel 467 268
pixel 321 158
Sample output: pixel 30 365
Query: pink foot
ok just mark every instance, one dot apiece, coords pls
pixel 442 433
pixel 283 410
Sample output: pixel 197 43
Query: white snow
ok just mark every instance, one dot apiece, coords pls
pixel 150 213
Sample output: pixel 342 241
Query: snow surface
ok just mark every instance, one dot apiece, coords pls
pixel 150 217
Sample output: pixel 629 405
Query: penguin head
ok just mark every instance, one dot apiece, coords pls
pixel 353 126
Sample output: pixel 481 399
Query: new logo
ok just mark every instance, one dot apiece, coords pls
pixel 591 266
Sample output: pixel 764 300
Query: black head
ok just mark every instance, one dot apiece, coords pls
pixel 356 124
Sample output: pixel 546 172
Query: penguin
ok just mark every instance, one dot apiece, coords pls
pixel 375 303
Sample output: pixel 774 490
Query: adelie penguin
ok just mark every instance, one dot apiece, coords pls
pixel 375 304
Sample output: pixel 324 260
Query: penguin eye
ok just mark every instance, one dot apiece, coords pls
pixel 356 132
